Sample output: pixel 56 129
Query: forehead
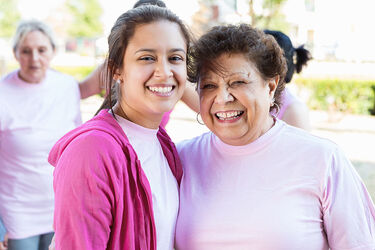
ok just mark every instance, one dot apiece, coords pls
pixel 158 34
pixel 230 65
pixel 34 38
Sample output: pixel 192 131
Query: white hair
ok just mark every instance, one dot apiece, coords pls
pixel 25 27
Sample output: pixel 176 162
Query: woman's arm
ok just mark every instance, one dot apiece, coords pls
pixel 91 85
pixel 297 115
pixel 84 195
pixel 190 97
pixel 347 209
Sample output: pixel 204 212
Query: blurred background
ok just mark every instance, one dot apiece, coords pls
pixel 338 85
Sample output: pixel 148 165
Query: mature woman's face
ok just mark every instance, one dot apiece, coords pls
pixel 34 54
pixel 235 105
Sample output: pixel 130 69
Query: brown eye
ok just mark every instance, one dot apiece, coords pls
pixel 207 86
pixel 147 58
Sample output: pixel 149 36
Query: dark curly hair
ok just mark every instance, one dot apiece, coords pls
pixel 259 48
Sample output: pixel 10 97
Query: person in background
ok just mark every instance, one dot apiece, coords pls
pixel 117 176
pixel 253 181
pixel 37 106
pixel 3 240
pixel 292 110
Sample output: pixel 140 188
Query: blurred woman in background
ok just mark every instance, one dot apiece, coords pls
pixel 37 106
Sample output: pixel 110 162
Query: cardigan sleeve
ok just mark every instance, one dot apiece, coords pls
pixel 85 193
pixel 348 211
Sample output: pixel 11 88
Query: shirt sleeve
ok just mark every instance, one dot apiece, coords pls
pixel 85 196
pixel 2 230
pixel 348 211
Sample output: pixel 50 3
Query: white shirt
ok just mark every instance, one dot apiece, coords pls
pixel 32 118
pixel 164 187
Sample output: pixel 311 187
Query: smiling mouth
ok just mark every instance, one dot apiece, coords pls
pixel 229 115
pixel 163 91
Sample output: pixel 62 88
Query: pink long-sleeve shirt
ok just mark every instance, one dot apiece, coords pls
pixel 102 196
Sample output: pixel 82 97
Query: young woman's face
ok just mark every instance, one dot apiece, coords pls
pixel 235 106
pixel 34 54
pixel 153 77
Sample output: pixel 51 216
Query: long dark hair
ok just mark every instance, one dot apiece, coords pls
pixel 121 33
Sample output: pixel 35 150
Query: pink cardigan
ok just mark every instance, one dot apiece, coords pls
pixel 102 196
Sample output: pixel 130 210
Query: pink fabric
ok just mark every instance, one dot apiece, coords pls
pixel 287 99
pixel 102 196
pixel 286 190
pixel 165 119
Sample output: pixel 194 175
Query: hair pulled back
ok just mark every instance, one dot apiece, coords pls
pixel 302 54
pixel 121 33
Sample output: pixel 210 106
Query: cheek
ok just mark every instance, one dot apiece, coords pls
pixel 205 104
pixel 180 74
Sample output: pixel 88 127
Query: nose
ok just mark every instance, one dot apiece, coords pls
pixel 223 96
pixel 35 55
pixel 163 69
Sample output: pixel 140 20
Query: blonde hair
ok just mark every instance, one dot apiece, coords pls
pixel 25 27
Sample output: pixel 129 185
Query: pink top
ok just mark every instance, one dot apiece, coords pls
pixel 165 119
pixel 287 98
pixel 102 196
pixel 286 190
pixel 32 118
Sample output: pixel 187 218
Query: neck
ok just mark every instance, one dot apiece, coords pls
pixel 27 79
pixel 126 112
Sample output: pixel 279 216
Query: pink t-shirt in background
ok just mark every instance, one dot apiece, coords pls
pixel 286 190
pixel 32 118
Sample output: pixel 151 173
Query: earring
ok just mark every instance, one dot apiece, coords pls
pixel 198 120
pixel 118 82
pixel 277 108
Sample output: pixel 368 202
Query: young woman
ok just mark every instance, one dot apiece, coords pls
pixel 116 177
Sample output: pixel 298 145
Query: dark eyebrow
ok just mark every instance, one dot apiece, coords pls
pixel 153 50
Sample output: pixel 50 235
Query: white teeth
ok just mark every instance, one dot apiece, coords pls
pixel 161 89
pixel 228 115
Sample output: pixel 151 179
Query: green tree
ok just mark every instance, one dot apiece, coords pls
pixel 86 18
pixel 9 17
pixel 270 17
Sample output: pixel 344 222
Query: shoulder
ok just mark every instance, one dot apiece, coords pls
pixel 186 147
pixel 299 139
pixel 8 79
pixel 297 114
pixel 61 78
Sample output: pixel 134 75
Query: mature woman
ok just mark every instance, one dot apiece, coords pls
pixel 255 182
pixel 37 106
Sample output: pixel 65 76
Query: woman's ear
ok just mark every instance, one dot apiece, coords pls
pixel 117 76
pixel 272 85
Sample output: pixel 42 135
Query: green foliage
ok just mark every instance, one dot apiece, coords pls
pixel 86 18
pixel 351 96
pixel 79 73
pixel 271 16
pixel 9 17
